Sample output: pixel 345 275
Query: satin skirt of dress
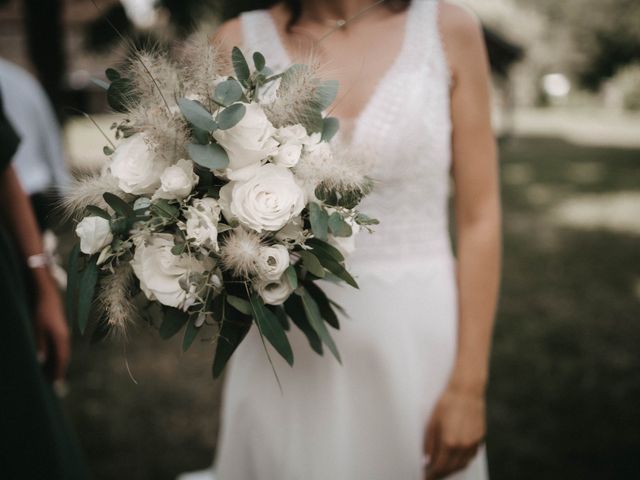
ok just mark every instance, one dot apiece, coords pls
pixel 360 420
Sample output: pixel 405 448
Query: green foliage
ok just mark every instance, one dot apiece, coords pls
pixel 197 115
pixel 240 304
pixel 314 317
pixel 295 310
pixel 338 226
pixel 211 156
pixel 121 95
pixel 240 66
pixel 271 328
pixel 190 333
pixel 319 220
pixel 86 291
pixel 172 322
pixel 228 92
pixel 230 116
pixel 312 264
pixel 259 61
pixel 330 126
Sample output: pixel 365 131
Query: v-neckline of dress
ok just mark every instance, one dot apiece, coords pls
pixel 357 121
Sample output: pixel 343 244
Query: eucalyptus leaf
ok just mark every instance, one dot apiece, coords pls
pixel 120 95
pixel 336 268
pixel 190 333
pixel 141 203
pixel 118 205
pixel 107 150
pixel 240 304
pixel 179 249
pixel 271 328
pixel 324 304
pixel 259 61
pixel 112 74
pixel 292 276
pixel 295 310
pixel 228 92
pixel 281 315
pixel 164 209
pixel 330 127
pixel 315 319
pixel 311 263
pixel 231 335
pixel 211 156
pixel 72 283
pixel 319 219
pixel 197 115
pixel 326 93
pixel 86 291
pixel 172 322
pixel 240 65
pixel 230 116
pixel 98 212
pixel 338 226
pixel 320 246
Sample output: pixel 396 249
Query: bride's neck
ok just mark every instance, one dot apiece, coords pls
pixel 328 10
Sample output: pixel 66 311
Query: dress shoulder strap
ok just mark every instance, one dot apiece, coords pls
pixel 260 34
pixel 426 44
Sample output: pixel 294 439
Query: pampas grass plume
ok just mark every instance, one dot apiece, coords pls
pixel 239 252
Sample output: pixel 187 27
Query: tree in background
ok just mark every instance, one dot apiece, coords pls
pixel 605 34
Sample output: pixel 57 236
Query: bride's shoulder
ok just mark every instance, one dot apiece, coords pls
pixel 458 23
pixel 462 36
pixel 228 33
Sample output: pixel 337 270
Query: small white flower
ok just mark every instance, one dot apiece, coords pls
pixel 265 202
pixel 161 272
pixel 133 166
pixel 288 155
pixel 202 222
pixel 94 233
pixel 177 181
pixel 274 292
pixel 248 142
pixel 272 262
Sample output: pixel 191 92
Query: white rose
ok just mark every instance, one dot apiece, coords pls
pixel 249 141
pixel 177 181
pixel 292 135
pixel 132 164
pixel 272 262
pixel 274 292
pixel 94 233
pixel 160 272
pixel 266 201
pixel 202 222
pixel 288 155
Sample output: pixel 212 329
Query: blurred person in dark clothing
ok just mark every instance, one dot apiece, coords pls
pixel 34 344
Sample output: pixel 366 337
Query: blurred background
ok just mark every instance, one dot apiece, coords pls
pixel 565 385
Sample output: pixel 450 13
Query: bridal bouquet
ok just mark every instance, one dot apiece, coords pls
pixel 220 207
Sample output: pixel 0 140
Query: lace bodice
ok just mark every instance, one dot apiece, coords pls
pixel 407 126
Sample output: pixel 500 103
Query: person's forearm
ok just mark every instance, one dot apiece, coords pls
pixel 21 223
pixel 478 271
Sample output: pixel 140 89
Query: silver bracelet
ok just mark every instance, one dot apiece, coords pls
pixel 39 260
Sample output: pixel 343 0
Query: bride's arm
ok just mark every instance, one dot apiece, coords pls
pixel 458 426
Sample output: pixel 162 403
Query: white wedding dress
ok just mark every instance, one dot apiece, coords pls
pixel 365 419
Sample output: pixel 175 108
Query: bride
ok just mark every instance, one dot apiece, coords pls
pixel 408 401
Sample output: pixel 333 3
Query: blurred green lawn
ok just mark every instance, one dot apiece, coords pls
pixel 565 366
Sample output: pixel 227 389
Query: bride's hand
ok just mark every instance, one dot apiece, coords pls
pixel 455 432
